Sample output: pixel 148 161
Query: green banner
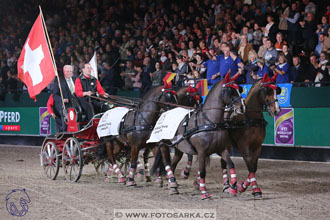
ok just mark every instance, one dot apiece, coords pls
pixel 19 121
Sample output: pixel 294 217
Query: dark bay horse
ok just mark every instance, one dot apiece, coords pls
pixel 136 129
pixel 248 132
pixel 204 132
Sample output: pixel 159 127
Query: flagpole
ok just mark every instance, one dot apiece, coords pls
pixel 52 55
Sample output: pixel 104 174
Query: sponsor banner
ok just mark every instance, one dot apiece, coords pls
pixel 284 97
pixel 284 127
pixel 44 119
pixel 19 121
pixel 246 89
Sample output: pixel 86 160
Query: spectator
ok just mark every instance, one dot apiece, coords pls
pixel 323 27
pixel 311 69
pixel 251 68
pixel 279 42
pixel 127 75
pixel 322 71
pixel 136 79
pixel 283 70
pixel 198 61
pixel 287 54
pixel 308 33
pixel 309 8
pixel 225 63
pixel 156 76
pixel 145 76
pixel 257 37
pixel 262 68
pixel 181 71
pixel 293 28
pixel 12 82
pixel 271 29
pixel 283 24
pixel 297 71
pixel 263 47
pixel 244 48
pixel 109 82
pixel 270 55
pixel 320 46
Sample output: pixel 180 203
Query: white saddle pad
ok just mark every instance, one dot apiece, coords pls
pixel 167 125
pixel 110 122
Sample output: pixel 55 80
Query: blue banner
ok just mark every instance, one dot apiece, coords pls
pixel 246 88
pixel 283 98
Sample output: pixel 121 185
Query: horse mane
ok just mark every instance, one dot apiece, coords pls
pixel 150 95
pixel 212 90
pixel 253 89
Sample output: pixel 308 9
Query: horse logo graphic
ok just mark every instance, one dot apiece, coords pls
pixel 283 97
pixel 13 198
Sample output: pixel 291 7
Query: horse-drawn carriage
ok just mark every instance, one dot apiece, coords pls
pixel 72 150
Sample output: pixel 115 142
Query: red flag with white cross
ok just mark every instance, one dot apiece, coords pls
pixel 35 66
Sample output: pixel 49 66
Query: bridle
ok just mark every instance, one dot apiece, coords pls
pixel 232 107
pixel 267 103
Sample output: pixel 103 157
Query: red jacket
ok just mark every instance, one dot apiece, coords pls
pixel 50 104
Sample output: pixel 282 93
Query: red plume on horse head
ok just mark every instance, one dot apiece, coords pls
pixel 268 82
pixel 230 82
pixel 274 77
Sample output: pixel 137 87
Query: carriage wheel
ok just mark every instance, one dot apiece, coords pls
pixel 72 159
pixel 49 158
pixel 101 167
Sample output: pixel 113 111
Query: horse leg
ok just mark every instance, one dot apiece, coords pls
pixel 251 161
pixel 185 173
pixel 172 184
pixel 140 170
pixel 202 186
pixel 226 160
pixel 177 157
pixel 113 165
pixel 197 180
pixel 159 178
pixel 225 180
pixel 146 164
pixel 134 158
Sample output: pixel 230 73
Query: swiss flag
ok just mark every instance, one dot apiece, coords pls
pixel 35 66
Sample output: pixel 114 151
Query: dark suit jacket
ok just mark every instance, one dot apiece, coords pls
pixel 65 91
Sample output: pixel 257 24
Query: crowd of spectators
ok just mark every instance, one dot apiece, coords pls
pixel 139 41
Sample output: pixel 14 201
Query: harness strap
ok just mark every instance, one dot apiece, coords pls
pixel 253 122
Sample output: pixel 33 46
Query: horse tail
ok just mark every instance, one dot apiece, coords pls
pixel 157 162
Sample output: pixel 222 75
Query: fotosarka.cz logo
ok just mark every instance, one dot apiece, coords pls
pixel 17 202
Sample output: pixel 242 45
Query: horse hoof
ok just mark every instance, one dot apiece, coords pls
pixel 225 189
pixel 172 185
pixel 131 183
pixel 173 191
pixel 240 187
pixel 122 180
pixel 184 175
pixel 148 179
pixel 257 195
pixel 196 184
pixel 107 180
pixel 206 196
pixel 232 191
pixel 139 176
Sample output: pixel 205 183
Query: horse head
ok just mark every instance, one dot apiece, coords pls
pixel 192 96
pixel 269 94
pixel 168 95
pixel 231 95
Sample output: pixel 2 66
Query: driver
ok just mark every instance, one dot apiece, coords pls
pixel 86 86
